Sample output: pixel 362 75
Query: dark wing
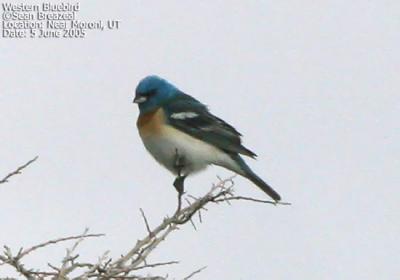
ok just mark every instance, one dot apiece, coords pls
pixel 192 117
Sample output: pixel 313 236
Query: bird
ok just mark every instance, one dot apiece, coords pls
pixel 185 137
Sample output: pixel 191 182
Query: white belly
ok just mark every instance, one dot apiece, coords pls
pixel 196 154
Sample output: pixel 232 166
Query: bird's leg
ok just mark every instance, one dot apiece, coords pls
pixel 178 184
pixel 179 181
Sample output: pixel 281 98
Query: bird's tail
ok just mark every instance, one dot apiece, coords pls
pixel 249 174
pixel 263 186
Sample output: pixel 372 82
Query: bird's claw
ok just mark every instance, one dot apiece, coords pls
pixel 179 164
pixel 179 186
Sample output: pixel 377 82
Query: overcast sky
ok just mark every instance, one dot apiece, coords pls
pixel 312 85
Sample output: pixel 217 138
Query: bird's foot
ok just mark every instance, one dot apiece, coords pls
pixel 179 164
pixel 179 186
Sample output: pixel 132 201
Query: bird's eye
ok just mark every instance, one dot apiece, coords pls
pixel 151 93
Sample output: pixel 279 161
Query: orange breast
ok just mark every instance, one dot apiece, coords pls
pixel 150 124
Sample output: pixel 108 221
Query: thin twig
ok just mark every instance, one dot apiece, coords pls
pixel 194 273
pixel 155 265
pixel 55 241
pixel 17 171
pixel 251 199
pixel 146 222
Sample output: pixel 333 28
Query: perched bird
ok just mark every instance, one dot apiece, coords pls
pixel 182 135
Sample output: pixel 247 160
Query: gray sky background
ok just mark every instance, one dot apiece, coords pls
pixel 312 85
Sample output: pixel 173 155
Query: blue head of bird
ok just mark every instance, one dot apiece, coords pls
pixel 152 92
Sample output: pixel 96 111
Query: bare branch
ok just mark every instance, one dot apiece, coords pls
pixel 155 265
pixel 8 258
pixel 221 192
pixel 17 171
pixel 68 263
pixel 55 241
pixel 135 259
pixel 252 199
pixel 194 273
pixel 99 266
pixel 15 261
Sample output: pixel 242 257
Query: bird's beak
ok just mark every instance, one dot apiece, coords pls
pixel 139 99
